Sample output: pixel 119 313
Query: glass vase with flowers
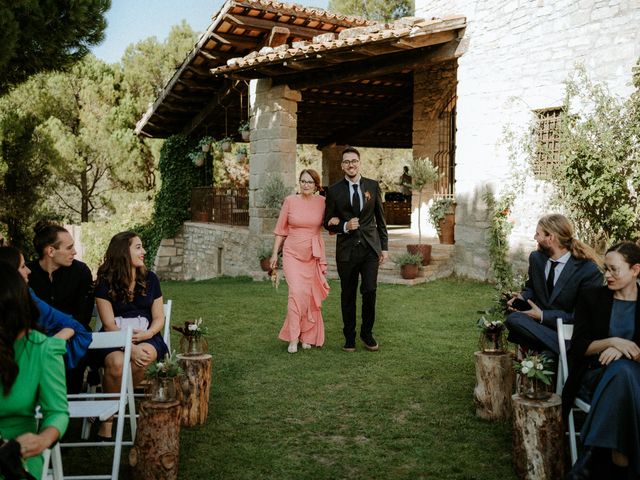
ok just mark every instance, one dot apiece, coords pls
pixel 535 376
pixel 192 341
pixel 492 332
pixel 162 376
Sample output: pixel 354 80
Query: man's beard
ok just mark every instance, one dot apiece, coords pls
pixel 545 250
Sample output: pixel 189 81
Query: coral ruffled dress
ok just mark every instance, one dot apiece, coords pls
pixel 305 268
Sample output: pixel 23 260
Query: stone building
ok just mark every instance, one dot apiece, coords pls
pixel 446 83
pixel 518 56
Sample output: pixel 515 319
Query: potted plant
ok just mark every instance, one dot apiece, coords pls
pixel 274 192
pixel 535 376
pixel 241 153
pixel 244 130
pixel 409 264
pixel 162 375
pixel 424 173
pixel 225 144
pixel 492 330
pixel 192 341
pixel 442 216
pixel 264 255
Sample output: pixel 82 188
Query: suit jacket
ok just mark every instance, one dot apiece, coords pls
pixel 576 276
pixel 373 228
pixel 592 318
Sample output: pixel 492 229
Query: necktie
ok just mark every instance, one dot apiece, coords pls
pixel 551 277
pixel 355 200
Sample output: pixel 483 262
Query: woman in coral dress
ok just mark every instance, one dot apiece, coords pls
pixel 304 263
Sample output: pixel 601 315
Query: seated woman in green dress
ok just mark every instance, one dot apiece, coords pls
pixel 31 374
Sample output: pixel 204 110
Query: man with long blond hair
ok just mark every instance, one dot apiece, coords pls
pixel 559 270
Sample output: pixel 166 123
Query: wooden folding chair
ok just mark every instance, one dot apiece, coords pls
pixel 105 405
pixel 565 332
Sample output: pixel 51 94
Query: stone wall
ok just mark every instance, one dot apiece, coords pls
pixel 519 54
pixel 209 250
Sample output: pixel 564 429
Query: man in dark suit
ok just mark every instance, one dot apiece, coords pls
pixel 361 245
pixel 559 271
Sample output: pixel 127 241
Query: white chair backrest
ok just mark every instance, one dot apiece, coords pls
pixel 166 336
pixel 565 332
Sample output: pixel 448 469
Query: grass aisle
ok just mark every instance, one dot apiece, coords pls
pixel 403 412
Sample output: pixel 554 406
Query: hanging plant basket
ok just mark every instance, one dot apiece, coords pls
pixel 225 145
pixel 199 160
pixel 245 135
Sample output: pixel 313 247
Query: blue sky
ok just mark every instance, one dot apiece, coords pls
pixel 130 21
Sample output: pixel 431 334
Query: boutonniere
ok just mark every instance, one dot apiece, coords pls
pixel 367 196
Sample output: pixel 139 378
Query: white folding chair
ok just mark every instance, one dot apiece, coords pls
pixel 86 425
pixel 105 405
pixel 54 457
pixel 167 325
pixel 565 332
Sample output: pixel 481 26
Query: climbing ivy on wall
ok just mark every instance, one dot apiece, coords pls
pixel 178 176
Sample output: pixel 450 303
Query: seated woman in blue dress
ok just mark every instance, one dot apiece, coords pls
pixel 127 294
pixel 54 322
pixel 604 370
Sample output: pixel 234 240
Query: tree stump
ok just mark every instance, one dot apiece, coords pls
pixel 494 385
pixel 195 388
pixel 156 449
pixel 537 438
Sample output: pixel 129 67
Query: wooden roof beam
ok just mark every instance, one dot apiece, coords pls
pixel 373 67
pixel 238 41
pixel 388 113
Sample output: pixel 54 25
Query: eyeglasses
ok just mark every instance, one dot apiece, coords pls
pixel 308 182
pixel 613 271
pixel 355 161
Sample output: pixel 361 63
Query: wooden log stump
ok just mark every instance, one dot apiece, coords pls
pixel 195 388
pixel 494 385
pixel 537 438
pixel 156 449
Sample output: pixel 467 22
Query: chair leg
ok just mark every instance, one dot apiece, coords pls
pixel 572 439
pixel 46 460
pixel 56 462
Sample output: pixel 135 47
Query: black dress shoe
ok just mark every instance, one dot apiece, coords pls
pixel 370 343
pixel 349 346
pixel 583 468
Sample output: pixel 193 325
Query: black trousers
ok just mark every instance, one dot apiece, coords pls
pixel 363 264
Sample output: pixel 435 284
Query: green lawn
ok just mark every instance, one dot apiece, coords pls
pixel 403 412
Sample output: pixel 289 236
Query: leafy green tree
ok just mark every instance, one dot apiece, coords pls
pixel 24 175
pixel 38 35
pixel 598 179
pixel 379 10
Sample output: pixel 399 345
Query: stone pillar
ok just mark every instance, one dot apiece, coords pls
pixel 331 158
pixel 273 146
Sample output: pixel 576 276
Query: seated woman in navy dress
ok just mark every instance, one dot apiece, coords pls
pixel 604 369
pixel 127 294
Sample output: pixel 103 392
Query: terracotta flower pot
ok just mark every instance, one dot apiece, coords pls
pixel 446 228
pixel 424 250
pixel 409 272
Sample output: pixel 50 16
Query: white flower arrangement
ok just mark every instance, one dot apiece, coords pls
pixel 537 367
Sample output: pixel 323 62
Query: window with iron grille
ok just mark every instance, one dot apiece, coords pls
pixel 445 156
pixel 547 141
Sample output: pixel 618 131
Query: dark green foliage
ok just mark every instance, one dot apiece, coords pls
pixel 379 10
pixel 38 35
pixel 172 203
pixel 598 179
pixel 23 176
